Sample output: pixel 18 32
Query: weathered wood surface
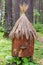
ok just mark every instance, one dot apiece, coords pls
pixel 23 47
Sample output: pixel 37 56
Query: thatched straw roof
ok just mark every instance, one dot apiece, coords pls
pixel 22 27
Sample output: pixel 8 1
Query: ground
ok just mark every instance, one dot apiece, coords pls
pixel 6 46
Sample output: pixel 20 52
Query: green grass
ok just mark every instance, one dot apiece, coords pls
pixel 40 34
pixel 6 46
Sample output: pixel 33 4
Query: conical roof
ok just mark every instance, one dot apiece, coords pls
pixel 22 27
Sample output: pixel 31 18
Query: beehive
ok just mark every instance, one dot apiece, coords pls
pixel 23 35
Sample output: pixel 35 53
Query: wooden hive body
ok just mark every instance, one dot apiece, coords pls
pixel 23 35
pixel 18 44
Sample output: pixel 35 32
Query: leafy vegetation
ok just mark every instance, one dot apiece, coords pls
pixel 1 29
pixel 2 14
pixel 36 13
pixel 39 27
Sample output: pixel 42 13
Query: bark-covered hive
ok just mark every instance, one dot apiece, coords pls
pixel 23 35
